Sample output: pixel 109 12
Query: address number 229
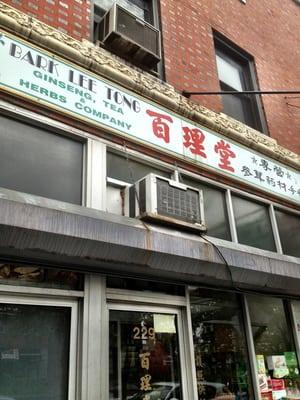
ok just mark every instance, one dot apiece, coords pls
pixel 143 333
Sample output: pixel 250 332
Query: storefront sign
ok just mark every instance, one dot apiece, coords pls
pixel 34 73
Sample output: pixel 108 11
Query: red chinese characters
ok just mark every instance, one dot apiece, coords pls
pixel 159 125
pixel 226 153
pixel 193 139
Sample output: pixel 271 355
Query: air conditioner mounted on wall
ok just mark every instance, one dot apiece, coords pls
pixel 128 36
pixel 156 198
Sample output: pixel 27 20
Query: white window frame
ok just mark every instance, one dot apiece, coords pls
pixel 23 299
pixel 94 160
pixel 229 190
pixel 142 304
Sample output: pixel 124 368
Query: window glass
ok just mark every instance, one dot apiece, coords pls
pixel 289 232
pixel 219 344
pixel 130 171
pixel 296 311
pixel 228 73
pixel 145 286
pixel 36 161
pixel 235 71
pixel 34 352
pixel 133 8
pixel 34 275
pixel 126 170
pixel 233 106
pixel 143 356
pixel 277 364
pixel 215 211
pixel 105 4
pixel 139 8
pixel 253 224
pixel 238 107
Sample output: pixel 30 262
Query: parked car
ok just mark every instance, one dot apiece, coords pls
pixel 172 391
pixel 160 391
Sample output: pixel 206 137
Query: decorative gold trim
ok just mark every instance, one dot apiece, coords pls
pixel 101 62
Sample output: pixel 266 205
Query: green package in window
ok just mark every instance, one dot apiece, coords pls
pixel 292 364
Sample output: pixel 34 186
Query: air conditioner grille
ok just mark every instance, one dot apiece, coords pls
pixel 178 203
pixel 137 31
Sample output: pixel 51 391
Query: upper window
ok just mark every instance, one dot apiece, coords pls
pixel 140 8
pixel 253 224
pixel 121 170
pixel 236 74
pixel 289 228
pixel 128 170
pixel 36 161
pixel 215 210
pixel 128 28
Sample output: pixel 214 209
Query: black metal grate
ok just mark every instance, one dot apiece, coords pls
pixel 178 203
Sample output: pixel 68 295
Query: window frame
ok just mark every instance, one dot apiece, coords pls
pixel 240 299
pixel 153 11
pixel 284 210
pixel 235 56
pixel 94 184
pixel 34 297
pixel 93 159
pixel 228 191
pixel 39 122
pixel 165 304
pixel 97 13
pixel 260 203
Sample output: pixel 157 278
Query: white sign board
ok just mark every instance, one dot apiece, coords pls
pixel 48 79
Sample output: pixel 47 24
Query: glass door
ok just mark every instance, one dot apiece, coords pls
pixel 145 354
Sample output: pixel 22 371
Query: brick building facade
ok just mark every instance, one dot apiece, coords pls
pixel 188 43
pixel 149 236
pixel 187 39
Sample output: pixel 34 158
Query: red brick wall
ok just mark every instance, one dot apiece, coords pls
pixel 268 30
pixel 69 16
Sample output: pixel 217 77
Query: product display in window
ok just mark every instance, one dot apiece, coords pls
pixel 278 376
pixel 277 364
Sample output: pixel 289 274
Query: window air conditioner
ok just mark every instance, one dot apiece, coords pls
pixel 129 36
pixel 166 201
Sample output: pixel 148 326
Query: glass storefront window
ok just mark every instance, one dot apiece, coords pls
pixel 219 346
pixel 253 224
pixel 143 356
pixel 145 286
pixel 35 275
pixel 215 210
pixel 296 312
pixel 277 364
pixel 289 228
pixel 37 161
pixel 128 170
pixel 34 352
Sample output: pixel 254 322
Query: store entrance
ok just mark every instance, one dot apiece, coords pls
pixel 144 354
